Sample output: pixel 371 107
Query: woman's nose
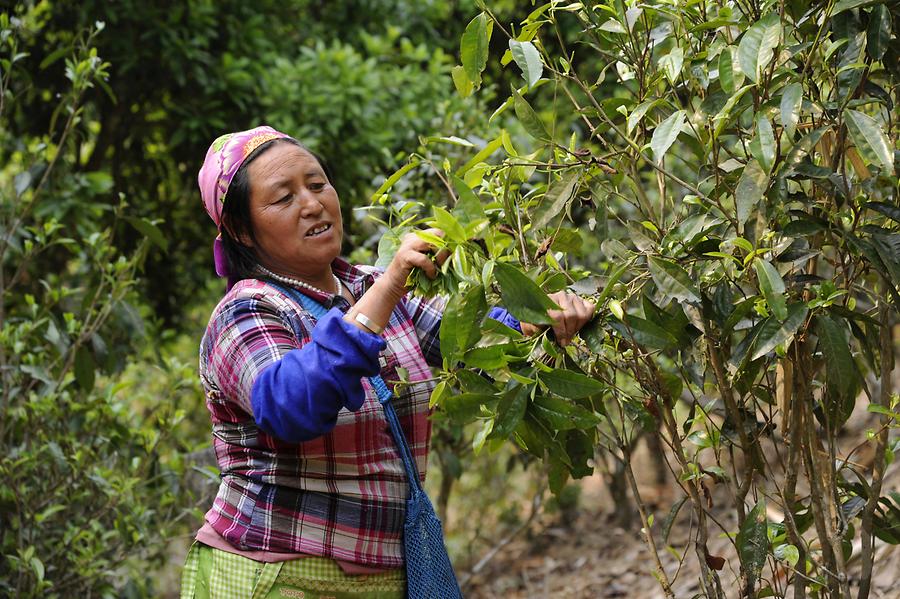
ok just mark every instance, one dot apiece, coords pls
pixel 309 204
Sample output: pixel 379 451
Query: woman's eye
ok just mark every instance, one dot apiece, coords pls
pixel 317 186
pixel 283 200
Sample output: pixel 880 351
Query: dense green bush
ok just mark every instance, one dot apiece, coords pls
pixel 87 490
pixel 727 193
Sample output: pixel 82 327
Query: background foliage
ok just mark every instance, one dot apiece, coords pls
pixel 720 179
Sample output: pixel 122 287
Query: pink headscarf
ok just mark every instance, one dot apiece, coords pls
pixel 223 159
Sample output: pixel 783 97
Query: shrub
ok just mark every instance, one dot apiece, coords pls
pixel 726 191
pixel 86 493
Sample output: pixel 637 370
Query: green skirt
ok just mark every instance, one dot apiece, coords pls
pixel 215 574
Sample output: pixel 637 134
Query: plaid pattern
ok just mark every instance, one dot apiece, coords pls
pixel 215 574
pixel 341 495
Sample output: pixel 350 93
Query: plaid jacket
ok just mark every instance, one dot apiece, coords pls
pixel 341 495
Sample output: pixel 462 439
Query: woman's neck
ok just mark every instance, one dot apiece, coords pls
pixel 325 281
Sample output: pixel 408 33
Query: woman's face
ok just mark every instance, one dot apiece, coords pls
pixel 294 211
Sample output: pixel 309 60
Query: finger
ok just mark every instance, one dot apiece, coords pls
pixel 557 297
pixel 561 327
pixel 569 313
pixel 529 329
pixel 585 310
pixel 412 240
pixel 441 257
pixel 426 245
pixel 424 262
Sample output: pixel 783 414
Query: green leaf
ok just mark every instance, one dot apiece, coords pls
pixel 449 139
pixel 21 182
pixel 528 117
pixel 772 286
pixel 756 48
pixel 467 406
pixel 672 63
pixel 437 394
pixel 390 181
pixel 462 83
pixel 510 411
pixel 473 48
pixel 638 113
pixel 54 56
pixel 528 59
pixel 645 333
pixel 672 280
pixel 889 210
pixel 471 382
pixel 557 198
pixel 613 26
pixel 461 322
pixel 38 567
pixel 724 115
pixel 487 358
pixel 752 541
pixel 844 5
pixel 468 206
pixel 150 231
pixel 887 246
pixel 84 368
pixel 878 35
pixel 670 519
pixel 557 476
pixel 763 145
pixel 869 137
pixel 801 149
pixel 791 102
pixel 840 374
pixel 453 231
pixel 569 384
pixel 568 241
pixel 665 134
pixel 773 333
pixel 750 190
pixel 615 306
pixel 601 217
pixel 787 553
pixel 562 415
pixel 522 296
pixel 482 154
pixel 728 78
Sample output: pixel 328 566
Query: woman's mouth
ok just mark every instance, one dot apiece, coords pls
pixel 318 230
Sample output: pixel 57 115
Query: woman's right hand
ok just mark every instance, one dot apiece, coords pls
pixel 379 301
pixel 414 252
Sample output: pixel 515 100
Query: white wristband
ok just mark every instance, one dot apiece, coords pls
pixel 368 323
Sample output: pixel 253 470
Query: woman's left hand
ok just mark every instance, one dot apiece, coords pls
pixel 573 314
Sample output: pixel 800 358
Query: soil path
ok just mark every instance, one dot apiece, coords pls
pixel 592 557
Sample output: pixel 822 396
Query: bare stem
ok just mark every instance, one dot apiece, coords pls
pixel 881 441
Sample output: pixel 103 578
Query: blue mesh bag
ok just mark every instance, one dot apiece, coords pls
pixel 429 573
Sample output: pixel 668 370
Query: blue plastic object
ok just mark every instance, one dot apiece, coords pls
pixel 429 573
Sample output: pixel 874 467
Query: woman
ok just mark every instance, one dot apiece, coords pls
pixel 311 501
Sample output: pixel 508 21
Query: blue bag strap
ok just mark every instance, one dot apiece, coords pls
pixel 381 389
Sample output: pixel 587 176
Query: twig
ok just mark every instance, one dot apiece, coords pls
pixel 881 441
pixel 536 502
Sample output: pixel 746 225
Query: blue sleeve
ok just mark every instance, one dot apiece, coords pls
pixel 501 315
pixel 298 397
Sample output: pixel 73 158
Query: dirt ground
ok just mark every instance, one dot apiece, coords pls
pixel 592 557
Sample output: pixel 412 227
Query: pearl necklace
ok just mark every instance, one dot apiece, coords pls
pixel 297 283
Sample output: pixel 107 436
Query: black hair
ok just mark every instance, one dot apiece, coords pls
pixel 243 261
